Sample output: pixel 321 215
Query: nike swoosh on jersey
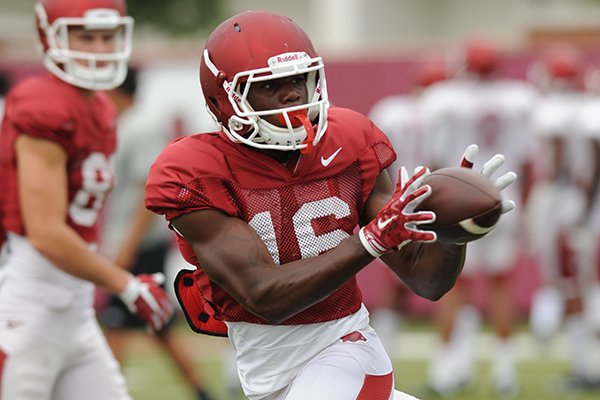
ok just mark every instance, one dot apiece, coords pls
pixel 326 161
pixel 383 223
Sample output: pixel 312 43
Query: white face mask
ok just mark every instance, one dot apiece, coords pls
pixel 81 68
pixel 298 133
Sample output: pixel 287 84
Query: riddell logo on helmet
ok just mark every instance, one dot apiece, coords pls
pixel 233 94
pixel 287 58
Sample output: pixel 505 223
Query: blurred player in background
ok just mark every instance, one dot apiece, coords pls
pixel 588 126
pixel 399 117
pixel 57 139
pixel 135 238
pixel 560 210
pixel 477 106
pixel 267 208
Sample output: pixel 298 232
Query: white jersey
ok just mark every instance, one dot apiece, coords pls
pixel 556 202
pixel 495 115
pixel 398 116
pixel 555 117
pixel 587 126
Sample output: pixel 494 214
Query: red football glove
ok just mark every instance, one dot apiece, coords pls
pixel 145 298
pixel 488 170
pixel 396 224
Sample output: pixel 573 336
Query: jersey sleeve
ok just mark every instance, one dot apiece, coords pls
pixel 43 115
pixel 382 147
pixel 177 184
pixel 367 144
pixel 367 141
pixel 377 147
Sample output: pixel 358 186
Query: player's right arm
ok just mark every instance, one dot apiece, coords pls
pixel 43 188
pixel 42 180
pixel 233 256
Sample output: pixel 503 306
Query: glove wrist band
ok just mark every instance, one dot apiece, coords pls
pixel 370 244
pixel 131 291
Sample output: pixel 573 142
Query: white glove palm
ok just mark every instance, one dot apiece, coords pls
pixel 144 297
pixel 488 169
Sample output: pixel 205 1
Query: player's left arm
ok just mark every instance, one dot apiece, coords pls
pixel 428 269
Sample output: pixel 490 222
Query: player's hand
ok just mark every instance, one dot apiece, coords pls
pixel 397 223
pixel 488 169
pixel 145 298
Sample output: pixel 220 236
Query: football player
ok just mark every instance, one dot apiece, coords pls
pixel 561 124
pixel 57 140
pixel 477 106
pixel 266 209
pixel 588 126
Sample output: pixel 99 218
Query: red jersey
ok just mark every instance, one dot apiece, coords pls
pixel 46 107
pixel 300 210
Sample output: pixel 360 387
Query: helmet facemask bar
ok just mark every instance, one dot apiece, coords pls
pixel 81 68
pixel 259 133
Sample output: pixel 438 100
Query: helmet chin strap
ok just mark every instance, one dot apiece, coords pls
pixel 297 118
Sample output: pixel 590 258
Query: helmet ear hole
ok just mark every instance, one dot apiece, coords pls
pixel 214 108
pixel 214 102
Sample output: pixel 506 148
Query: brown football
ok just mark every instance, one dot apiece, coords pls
pixel 467 204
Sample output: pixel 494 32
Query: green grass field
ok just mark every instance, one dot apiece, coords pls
pixel 151 375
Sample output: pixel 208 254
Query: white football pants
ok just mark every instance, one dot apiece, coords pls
pixel 52 349
pixel 357 368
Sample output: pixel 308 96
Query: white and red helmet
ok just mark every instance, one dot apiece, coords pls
pixel 560 68
pixel 430 72
pixel 53 20
pixel 481 57
pixel 255 46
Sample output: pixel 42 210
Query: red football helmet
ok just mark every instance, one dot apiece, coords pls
pixel 481 57
pixel 256 46
pixel 564 64
pixel 431 72
pixel 53 20
pixel 560 68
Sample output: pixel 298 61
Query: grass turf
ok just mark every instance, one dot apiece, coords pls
pixel 151 375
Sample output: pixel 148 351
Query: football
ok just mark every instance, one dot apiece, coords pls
pixel 467 204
